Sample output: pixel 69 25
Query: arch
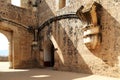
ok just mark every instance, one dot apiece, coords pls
pixel 64 16
pixel 4 45
pixel 49 47
pixel 11 32
pixel 8 36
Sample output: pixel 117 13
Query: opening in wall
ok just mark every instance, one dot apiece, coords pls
pixel 16 2
pixel 48 53
pixel 4 51
pixel 67 2
pixel 62 3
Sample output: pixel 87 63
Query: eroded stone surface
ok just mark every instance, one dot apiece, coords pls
pixel 71 53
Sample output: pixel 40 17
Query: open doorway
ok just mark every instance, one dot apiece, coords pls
pixel 48 54
pixel 4 51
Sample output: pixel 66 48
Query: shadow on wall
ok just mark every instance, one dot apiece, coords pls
pixel 67 38
pixel 110 47
pixel 45 11
pixel 71 58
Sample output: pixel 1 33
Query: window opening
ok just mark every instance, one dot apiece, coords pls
pixel 4 51
pixel 16 2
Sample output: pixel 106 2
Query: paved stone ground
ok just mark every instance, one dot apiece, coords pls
pixel 44 74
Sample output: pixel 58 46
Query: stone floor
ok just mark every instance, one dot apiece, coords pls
pixel 44 74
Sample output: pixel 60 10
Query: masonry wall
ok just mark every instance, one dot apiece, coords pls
pixel 71 53
pixel 21 15
pixel 67 36
pixel 20 43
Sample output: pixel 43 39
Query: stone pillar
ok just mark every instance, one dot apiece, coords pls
pixel 41 59
pixel 16 53
pixel 10 55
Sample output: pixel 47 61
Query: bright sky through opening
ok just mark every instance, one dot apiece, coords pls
pixel 16 2
pixel 3 42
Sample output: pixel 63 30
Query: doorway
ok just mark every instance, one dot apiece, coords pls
pixel 48 54
pixel 4 51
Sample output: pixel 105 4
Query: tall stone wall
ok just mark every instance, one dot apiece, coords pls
pixel 67 37
pixel 46 10
pixel 20 43
pixel 71 53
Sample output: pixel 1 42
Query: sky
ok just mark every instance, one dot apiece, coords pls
pixel 16 2
pixel 3 42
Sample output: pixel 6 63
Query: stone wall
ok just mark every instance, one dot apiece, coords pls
pixel 71 53
pixel 67 37
pixel 17 14
pixel 20 43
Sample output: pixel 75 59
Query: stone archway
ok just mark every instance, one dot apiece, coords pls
pixel 20 42
pixel 8 35
pixel 11 32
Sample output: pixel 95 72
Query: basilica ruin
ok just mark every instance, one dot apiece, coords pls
pixel 68 35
